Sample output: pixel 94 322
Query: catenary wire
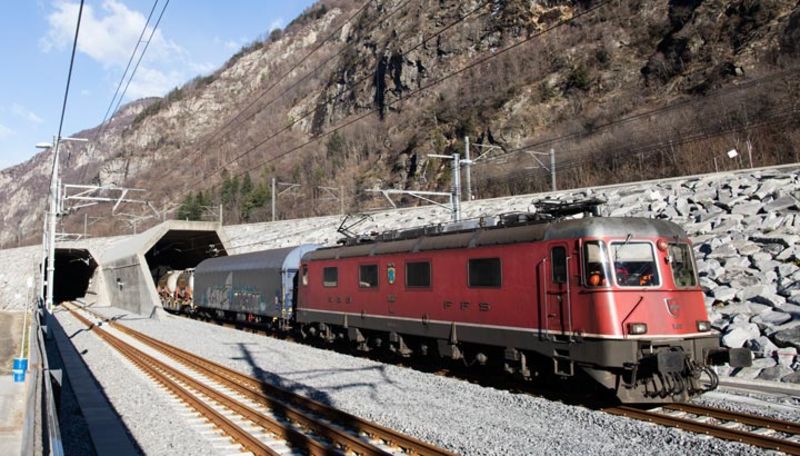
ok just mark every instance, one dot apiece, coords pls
pixel 645 149
pixel 311 111
pixel 218 133
pixel 69 73
pixel 144 50
pixel 125 73
pixel 666 108
pixel 438 81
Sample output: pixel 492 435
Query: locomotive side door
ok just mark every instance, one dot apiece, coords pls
pixel 557 311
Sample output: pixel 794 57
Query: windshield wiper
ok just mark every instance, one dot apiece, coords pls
pixel 617 246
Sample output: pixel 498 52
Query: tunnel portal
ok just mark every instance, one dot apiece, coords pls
pixel 73 274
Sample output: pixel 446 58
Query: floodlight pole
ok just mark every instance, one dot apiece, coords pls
pixel 53 218
pixel 468 166
pixel 45 250
pixel 274 196
pixel 456 189
pixel 51 227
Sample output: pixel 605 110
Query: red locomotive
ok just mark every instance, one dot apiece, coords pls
pixel 615 298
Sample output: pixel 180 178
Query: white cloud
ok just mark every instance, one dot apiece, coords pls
pixel 154 82
pixel 25 113
pixel 108 35
pixel 5 132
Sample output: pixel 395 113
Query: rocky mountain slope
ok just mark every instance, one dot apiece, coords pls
pixel 354 95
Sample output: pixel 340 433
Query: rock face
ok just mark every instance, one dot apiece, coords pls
pixel 747 260
pixel 401 81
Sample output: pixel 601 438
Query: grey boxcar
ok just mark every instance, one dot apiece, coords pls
pixel 258 283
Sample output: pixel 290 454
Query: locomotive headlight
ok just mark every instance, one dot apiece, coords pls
pixel 637 328
pixel 703 325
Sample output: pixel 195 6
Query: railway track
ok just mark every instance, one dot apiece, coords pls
pixel 754 430
pixel 259 417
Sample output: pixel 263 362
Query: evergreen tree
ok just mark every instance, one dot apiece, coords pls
pixel 246 191
pixel 187 208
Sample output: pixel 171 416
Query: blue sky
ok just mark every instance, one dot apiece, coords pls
pixel 194 37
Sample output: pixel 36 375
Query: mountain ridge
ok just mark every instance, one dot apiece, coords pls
pixel 199 145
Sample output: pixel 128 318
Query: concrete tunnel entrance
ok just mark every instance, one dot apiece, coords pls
pixel 74 271
pixel 182 249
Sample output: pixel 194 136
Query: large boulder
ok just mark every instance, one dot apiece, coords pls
pixel 774 373
pixel 794 377
pixel 786 356
pixel 781 203
pixel 772 318
pixel 723 293
pixel 763 346
pixel 784 338
pixel 786 240
pixel 739 335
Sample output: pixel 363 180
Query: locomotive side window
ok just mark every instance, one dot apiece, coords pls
pixel 304 275
pixel 595 264
pixel 368 276
pixel 634 264
pixel 484 273
pixel 558 256
pixel 330 277
pixel 418 274
pixel 682 266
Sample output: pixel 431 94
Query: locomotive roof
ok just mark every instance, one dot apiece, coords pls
pixel 262 259
pixel 561 229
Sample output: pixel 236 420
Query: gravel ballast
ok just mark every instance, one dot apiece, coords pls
pixel 454 414
pixel 148 413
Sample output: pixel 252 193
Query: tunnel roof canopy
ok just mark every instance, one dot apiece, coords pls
pixel 178 235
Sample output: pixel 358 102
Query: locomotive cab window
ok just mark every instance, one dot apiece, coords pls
pixel 634 264
pixel 683 272
pixel 595 264
pixel 418 274
pixel 368 276
pixel 330 277
pixel 558 257
pixel 484 273
pixel 304 275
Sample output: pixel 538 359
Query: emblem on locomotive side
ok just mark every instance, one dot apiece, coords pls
pixel 391 273
pixel 673 307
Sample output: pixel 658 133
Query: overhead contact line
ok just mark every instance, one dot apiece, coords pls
pixel 127 67
pixel 652 147
pixel 218 132
pixel 662 109
pixel 358 82
pixel 440 80
pixel 69 73
pixel 141 56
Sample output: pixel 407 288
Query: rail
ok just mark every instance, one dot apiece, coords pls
pixel 757 437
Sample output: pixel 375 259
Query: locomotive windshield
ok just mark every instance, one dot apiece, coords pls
pixel 682 266
pixel 634 264
pixel 595 264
